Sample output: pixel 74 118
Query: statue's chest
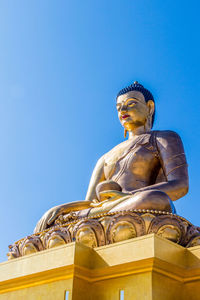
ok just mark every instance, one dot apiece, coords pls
pixel 137 158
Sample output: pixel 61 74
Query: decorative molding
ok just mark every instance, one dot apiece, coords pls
pixel 108 228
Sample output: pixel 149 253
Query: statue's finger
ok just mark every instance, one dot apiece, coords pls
pixel 95 204
pixel 104 194
pixel 52 218
pixel 107 195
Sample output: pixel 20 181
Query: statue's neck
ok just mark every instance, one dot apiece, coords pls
pixel 137 131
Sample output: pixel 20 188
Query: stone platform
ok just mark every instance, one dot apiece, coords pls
pixel 147 267
pixel 109 228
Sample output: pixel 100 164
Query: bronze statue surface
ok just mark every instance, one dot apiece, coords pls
pixel 136 181
pixel 149 168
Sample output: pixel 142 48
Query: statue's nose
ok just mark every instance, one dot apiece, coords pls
pixel 123 108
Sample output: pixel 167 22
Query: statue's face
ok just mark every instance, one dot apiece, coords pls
pixel 132 109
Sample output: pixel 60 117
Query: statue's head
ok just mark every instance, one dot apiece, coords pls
pixel 136 107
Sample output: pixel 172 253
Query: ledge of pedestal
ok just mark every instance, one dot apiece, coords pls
pixel 148 262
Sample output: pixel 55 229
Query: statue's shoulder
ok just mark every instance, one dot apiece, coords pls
pixel 167 138
pixel 110 153
pixel 115 149
pixel 166 134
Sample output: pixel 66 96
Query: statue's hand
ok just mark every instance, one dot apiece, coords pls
pixel 52 214
pixel 48 218
pixel 110 195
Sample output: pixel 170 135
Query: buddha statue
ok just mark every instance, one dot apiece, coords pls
pixel 147 171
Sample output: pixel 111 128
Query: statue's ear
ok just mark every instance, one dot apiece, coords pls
pixel 151 106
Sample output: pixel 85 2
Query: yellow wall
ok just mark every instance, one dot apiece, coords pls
pixel 146 268
pixel 135 287
pixel 48 291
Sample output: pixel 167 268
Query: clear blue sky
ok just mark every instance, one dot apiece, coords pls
pixel 61 66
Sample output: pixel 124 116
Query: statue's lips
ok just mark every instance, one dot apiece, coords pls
pixel 125 116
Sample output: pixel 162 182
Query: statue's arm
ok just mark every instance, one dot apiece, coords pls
pixel 174 164
pixel 97 176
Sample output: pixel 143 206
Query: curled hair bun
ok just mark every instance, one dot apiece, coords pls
pixel 139 88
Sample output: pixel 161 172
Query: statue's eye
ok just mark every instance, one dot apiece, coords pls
pixel 118 107
pixel 131 104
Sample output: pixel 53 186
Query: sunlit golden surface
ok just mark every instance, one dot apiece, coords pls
pixel 147 267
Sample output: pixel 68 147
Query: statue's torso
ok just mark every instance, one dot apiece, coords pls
pixel 133 164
